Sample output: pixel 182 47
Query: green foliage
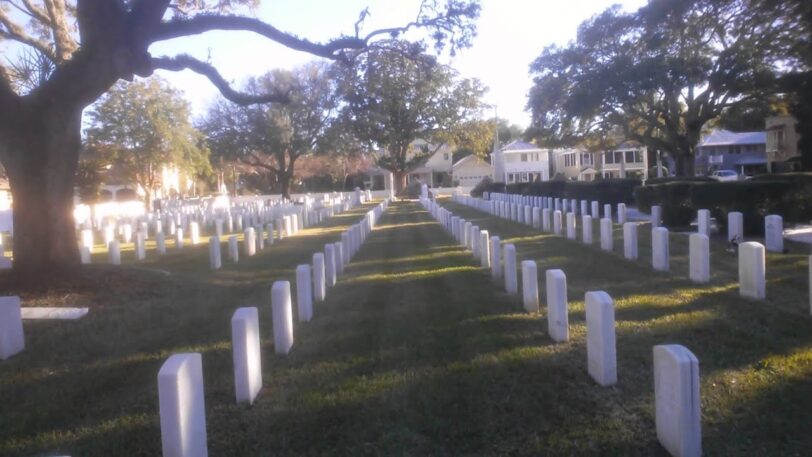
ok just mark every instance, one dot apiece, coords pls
pixel 266 140
pixel 143 126
pixel 658 75
pixel 611 191
pixel 396 95
pixel 789 196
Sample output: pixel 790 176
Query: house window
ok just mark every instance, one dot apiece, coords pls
pixel 634 157
pixel 569 160
pixel 586 159
pixel 524 157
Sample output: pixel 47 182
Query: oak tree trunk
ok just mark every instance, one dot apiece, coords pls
pixel 41 154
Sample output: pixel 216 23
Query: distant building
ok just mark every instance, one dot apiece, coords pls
pixel 520 162
pixel 744 153
pixel 573 164
pixel 469 171
pixel 629 160
pixel 435 171
pixel 782 143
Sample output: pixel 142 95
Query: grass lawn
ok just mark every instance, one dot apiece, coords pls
pixel 415 351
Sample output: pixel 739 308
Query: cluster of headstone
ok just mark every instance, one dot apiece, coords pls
pixel 184 222
pixel 676 369
pixel 558 216
pixel 180 379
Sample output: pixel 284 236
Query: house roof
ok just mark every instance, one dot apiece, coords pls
pixel 631 144
pixel 520 146
pixel 728 138
pixel 470 158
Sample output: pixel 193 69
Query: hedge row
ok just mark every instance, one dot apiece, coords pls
pixel 790 197
pixel 604 191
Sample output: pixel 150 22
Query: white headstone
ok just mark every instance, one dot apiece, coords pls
pixel 557 314
pixel 245 339
pixel 536 218
pixel 249 242
pixel 484 249
pixel 630 240
pixel 703 222
pixel 571 233
pixel 330 264
pixel 557 222
pixel 179 239
pixel 656 216
pixel 140 252
pixel 586 229
pixel 530 286
pixel 215 259
pixel 774 233
pixel 84 254
pixel 676 400
pixel 182 407
pixel 496 258
pixel 87 238
pixel 659 249
pixel 282 317
pixel 600 336
pixel 12 340
pixel 511 283
pixel 595 210
pixel 621 213
pixel 699 257
pixel 304 293
pixel 752 270
pixel 319 286
pixel 735 226
pixel 607 237
pixel 545 220
pixel 338 252
pixel 194 232
pixel 607 211
pixel 160 243
pixel 114 252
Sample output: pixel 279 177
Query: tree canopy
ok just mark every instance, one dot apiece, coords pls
pixel 659 74
pixel 143 127
pixel 397 95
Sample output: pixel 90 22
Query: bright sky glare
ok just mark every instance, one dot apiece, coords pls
pixel 511 33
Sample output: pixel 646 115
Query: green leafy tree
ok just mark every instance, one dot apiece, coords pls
pixel 267 140
pixel 146 127
pixel 65 54
pixel 659 74
pixel 396 95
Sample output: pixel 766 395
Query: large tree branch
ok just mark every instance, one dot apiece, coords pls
pixel 186 62
pixel 63 41
pixel 14 32
pixel 208 22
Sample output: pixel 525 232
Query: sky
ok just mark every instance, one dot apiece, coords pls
pixel 511 34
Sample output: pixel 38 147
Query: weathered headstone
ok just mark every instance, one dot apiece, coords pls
pixel 495 258
pixel 179 239
pixel 595 210
pixel 114 252
pixel 319 285
pixel 233 249
pixel 621 213
pixel 656 216
pixel 304 293
pixel 484 249
pixel 752 270
pixel 160 243
pixel 774 233
pixel 245 341
pixel 511 282
pixel 703 222
pixel 586 229
pixel 194 233
pixel 571 233
pixel 699 257
pixel 735 226
pixel 12 339
pixel 557 314
pixel 545 220
pixel 557 222
pixel 676 400
pixel 630 240
pixel 338 253
pixel 607 237
pixel 140 252
pixel 182 407
pixel 330 264
pixel 660 260
pixel 215 259
pixel 600 336
pixel 249 243
pixel 282 317
pixel 607 211
pixel 530 286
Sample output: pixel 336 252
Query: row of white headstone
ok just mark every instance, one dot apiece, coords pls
pixel 288 220
pixel 180 379
pixel 676 369
pixel 751 258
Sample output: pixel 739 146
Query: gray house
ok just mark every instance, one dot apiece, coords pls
pixel 745 152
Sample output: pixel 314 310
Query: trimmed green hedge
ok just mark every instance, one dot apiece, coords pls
pixel 788 196
pixel 604 191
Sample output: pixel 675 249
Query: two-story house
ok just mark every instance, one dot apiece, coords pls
pixel 628 160
pixel 744 153
pixel 782 143
pixel 574 164
pixel 435 170
pixel 520 162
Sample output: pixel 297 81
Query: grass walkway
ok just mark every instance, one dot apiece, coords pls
pixel 414 352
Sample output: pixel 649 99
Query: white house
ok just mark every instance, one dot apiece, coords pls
pixel 469 171
pixel 628 160
pixel 436 170
pixel 574 164
pixel 520 162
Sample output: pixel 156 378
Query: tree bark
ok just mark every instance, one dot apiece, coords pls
pixel 400 180
pixel 41 154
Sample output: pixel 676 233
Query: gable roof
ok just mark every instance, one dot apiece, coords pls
pixel 471 157
pixel 728 138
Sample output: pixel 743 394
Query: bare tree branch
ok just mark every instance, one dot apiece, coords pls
pixel 186 62
pixel 205 23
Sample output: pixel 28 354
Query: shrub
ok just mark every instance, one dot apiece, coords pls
pixel 486 185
